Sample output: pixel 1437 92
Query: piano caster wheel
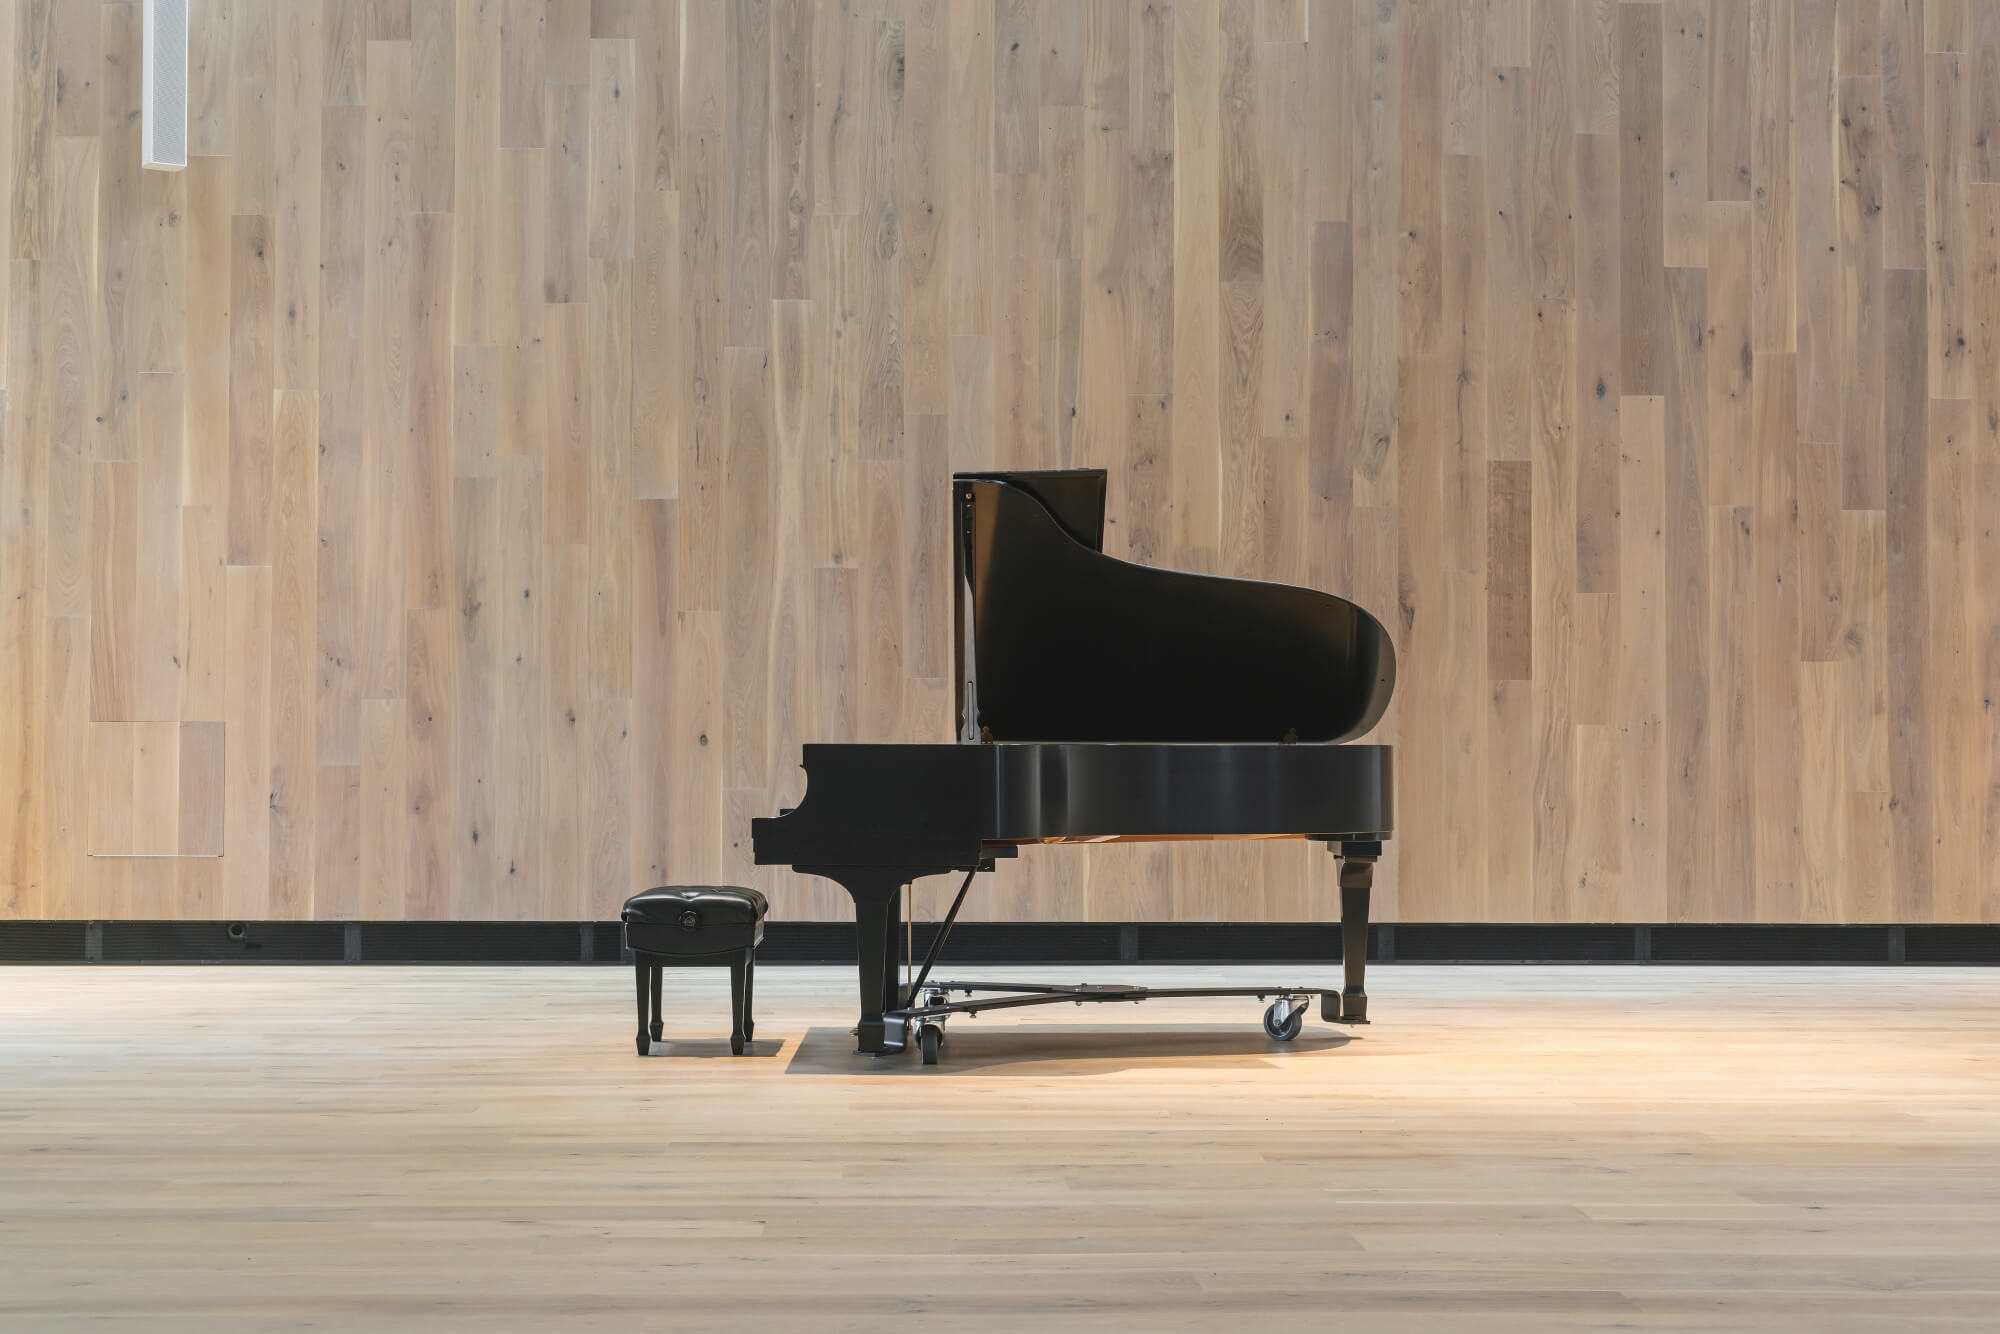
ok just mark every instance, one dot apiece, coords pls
pixel 929 1038
pixel 655 1029
pixel 1286 1029
pixel 645 1046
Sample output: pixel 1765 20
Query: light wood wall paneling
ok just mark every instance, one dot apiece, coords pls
pixel 430 717
pixel 1985 305
pixel 523 425
pixel 296 783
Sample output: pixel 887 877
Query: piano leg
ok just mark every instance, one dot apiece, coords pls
pixel 1357 877
pixel 640 970
pixel 878 922
pixel 893 950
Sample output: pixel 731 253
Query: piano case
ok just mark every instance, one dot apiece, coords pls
pixel 1100 700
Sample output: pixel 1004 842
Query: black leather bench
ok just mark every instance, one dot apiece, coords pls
pixel 694 926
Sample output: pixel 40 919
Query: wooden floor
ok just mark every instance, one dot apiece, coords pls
pixel 1505 1148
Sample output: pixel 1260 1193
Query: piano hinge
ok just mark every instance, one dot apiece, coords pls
pixel 1291 737
pixel 985 736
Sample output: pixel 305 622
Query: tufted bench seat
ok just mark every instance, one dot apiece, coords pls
pixel 692 926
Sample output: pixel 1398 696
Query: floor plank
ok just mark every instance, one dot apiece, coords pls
pixel 1504 1148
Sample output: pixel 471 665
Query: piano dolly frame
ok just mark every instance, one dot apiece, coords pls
pixel 1346 1004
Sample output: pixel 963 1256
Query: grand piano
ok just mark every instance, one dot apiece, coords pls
pixel 1100 701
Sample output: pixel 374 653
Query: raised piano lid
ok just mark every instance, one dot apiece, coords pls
pixel 1055 641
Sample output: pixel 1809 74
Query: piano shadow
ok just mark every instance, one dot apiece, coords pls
pixel 704 1049
pixel 1069 1049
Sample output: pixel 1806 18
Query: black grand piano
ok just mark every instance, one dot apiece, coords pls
pixel 1100 701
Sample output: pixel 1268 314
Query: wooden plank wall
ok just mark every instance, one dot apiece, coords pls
pixel 526 421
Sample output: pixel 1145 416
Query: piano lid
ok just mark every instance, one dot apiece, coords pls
pixel 1074 497
pixel 1058 642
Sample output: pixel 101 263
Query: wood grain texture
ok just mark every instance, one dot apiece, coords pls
pixel 534 419
pixel 1479 1147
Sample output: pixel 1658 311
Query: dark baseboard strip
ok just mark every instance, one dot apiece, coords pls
pixel 1009 943
pixel 42 942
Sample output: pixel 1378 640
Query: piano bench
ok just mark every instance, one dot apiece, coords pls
pixel 695 926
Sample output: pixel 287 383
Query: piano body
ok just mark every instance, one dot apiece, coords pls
pixel 1101 701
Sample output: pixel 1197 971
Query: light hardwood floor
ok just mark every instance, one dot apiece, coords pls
pixel 1510 1148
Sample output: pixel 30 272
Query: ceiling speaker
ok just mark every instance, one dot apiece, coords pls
pixel 164 86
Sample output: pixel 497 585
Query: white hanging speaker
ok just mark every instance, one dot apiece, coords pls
pixel 163 122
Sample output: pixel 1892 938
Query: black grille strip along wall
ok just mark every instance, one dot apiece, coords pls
pixel 26 942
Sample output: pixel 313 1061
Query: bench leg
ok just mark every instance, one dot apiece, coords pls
pixel 658 972
pixel 639 971
pixel 749 991
pixel 736 1009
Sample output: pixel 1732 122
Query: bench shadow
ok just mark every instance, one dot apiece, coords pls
pixel 1071 1049
pixel 707 1049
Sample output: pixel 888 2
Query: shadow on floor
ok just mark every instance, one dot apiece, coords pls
pixel 714 1048
pixel 1065 1050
